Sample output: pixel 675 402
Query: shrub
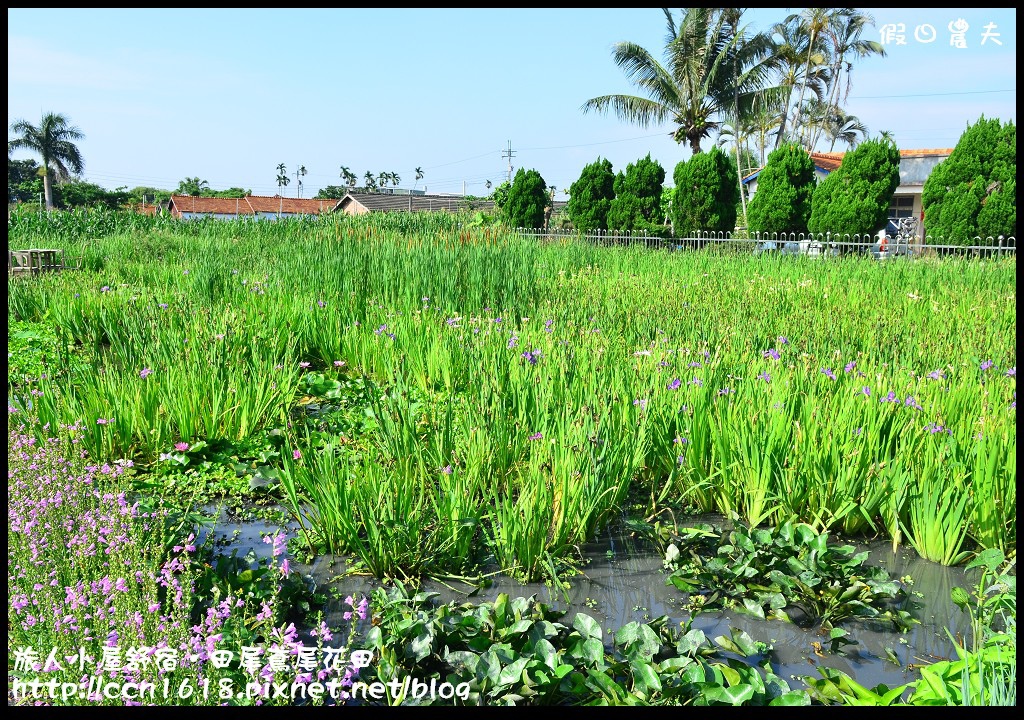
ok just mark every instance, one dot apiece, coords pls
pixel 782 203
pixel 973 193
pixel 591 196
pixel 637 202
pixel 855 198
pixel 527 200
pixel 707 192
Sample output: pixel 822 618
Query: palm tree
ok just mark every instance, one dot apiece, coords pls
pixel 752 60
pixel 350 177
pixel 192 186
pixel 282 176
pixel 395 179
pixel 419 176
pixel 371 182
pixel 300 173
pixel 694 88
pixel 840 126
pixel 844 32
pixel 791 45
pixel 52 140
pixel 813 21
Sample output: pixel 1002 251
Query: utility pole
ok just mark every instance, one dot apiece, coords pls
pixel 509 154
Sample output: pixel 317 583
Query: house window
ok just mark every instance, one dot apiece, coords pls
pixel 901 206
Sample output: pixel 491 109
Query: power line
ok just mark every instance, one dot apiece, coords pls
pixel 905 95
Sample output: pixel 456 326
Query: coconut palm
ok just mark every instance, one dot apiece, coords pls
pixel 52 140
pixel 692 90
pixel 371 181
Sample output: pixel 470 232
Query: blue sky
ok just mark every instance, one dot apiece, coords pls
pixel 227 95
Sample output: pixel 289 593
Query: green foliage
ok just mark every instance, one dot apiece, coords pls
pixel 590 197
pixel 84 194
pixel 527 201
pixel 763 572
pixel 148 195
pixel 500 195
pixel 515 651
pixel 332 192
pixel 855 198
pixel 707 192
pixel 23 181
pixel 973 193
pixel 782 203
pixel 32 350
pixel 637 203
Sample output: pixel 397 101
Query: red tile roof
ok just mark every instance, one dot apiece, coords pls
pixel 832 160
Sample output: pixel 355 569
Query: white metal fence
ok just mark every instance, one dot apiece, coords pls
pixel 821 244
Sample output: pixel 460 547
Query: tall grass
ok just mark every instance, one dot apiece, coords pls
pixel 522 391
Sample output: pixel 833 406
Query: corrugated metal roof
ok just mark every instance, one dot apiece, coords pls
pixel 250 205
pixel 381 202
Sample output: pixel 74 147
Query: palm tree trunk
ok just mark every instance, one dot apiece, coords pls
pixel 48 189
pixel 803 84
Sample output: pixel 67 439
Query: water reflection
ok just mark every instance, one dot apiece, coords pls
pixel 622 580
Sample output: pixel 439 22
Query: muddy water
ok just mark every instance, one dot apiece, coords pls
pixel 622 580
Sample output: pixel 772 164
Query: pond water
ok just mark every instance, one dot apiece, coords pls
pixel 622 580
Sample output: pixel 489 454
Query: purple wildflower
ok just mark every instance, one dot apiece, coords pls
pixel 765 376
pixel 827 372
pixel 674 385
pixel 641 402
pixel 937 375
pixel 697 381
pixel 986 365
pixel 771 353
pixel 1012 372
pixel 512 341
pixel 536 436
pixel 339 363
pixel 163 306
pixel 446 470
pixel 890 398
pixel 783 340
pixel 380 330
pixel 850 366
pixel 303 364
pixel 105 288
pixel 694 364
pixel 547 325
pixel 866 390
pixel 680 460
pixel 725 391
pixel 181 447
pixel 858 431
